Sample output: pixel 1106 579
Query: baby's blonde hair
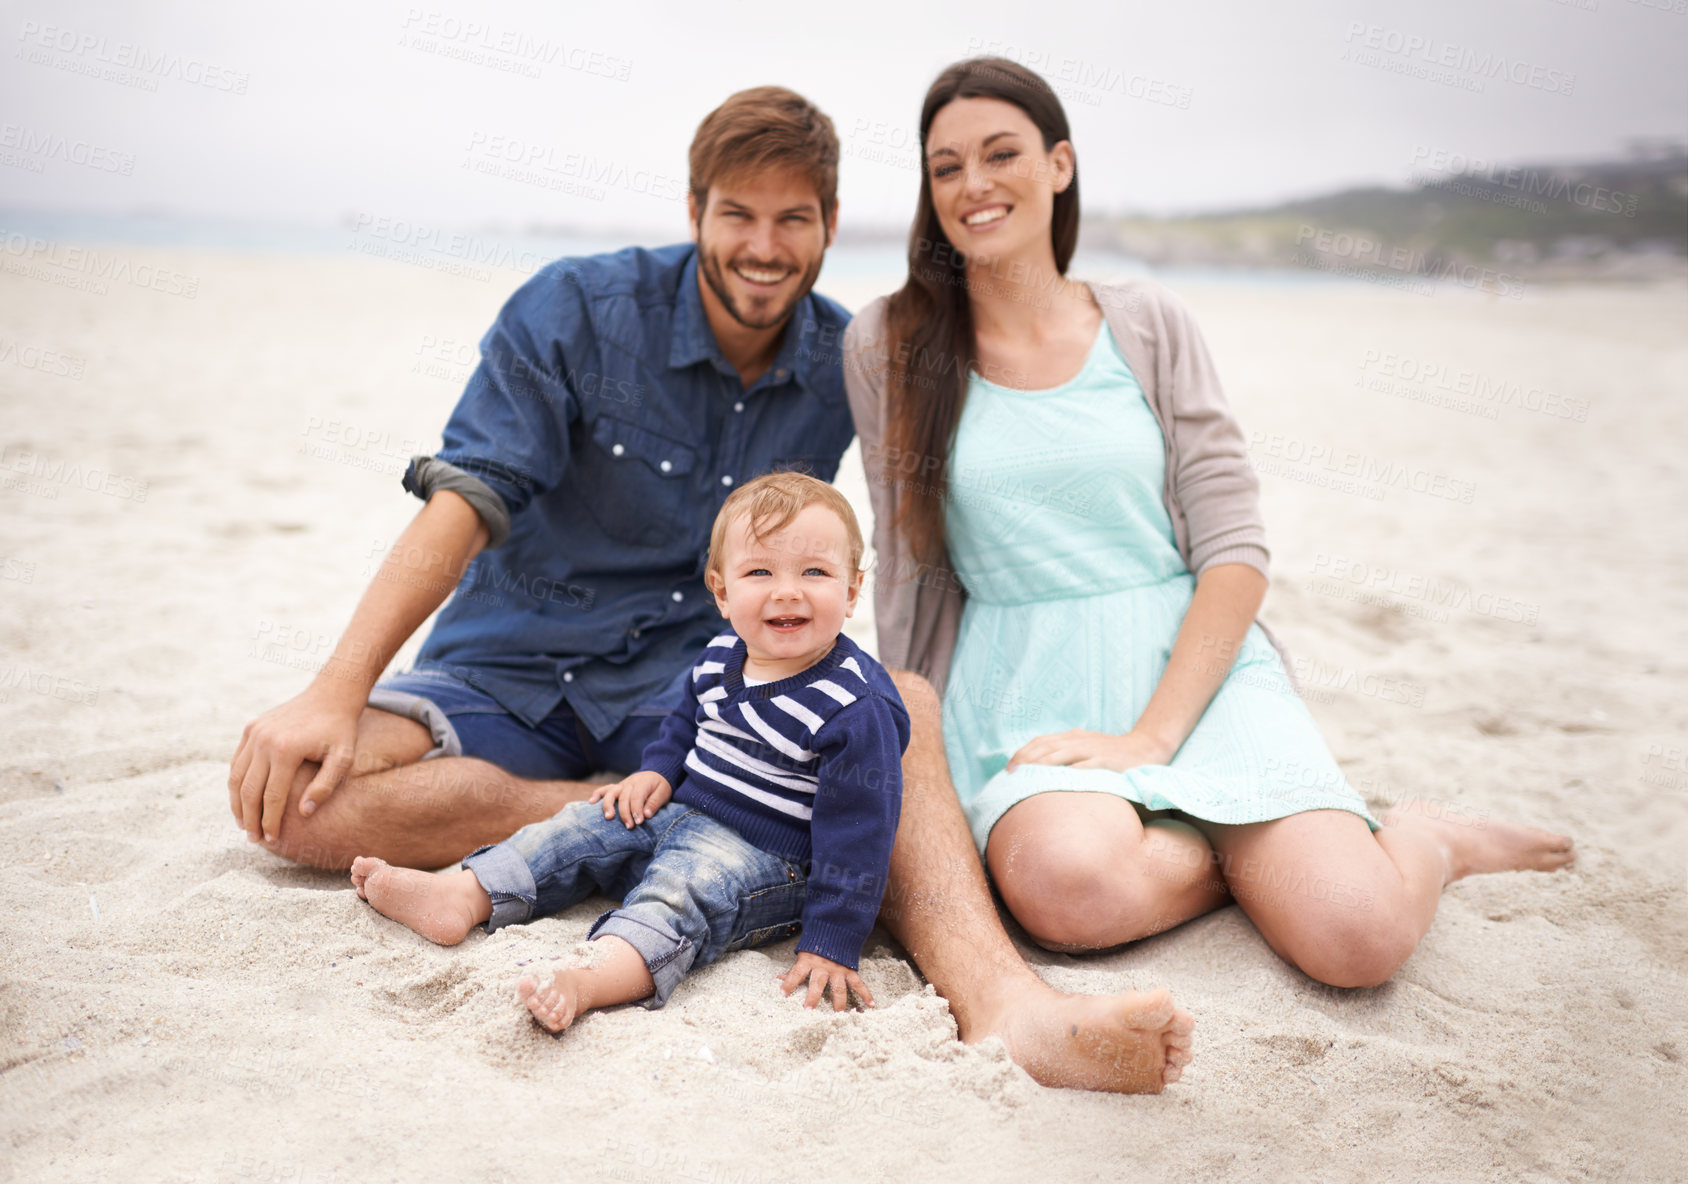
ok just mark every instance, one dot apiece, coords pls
pixel 771 502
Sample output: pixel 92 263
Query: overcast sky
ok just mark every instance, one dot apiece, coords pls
pixel 314 111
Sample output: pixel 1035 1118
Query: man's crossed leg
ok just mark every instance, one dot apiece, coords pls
pixel 441 768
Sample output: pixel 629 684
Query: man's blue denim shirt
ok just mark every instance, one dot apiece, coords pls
pixel 606 419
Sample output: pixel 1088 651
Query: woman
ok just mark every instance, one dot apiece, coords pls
pixel 1071 551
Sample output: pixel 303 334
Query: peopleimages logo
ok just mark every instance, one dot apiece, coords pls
pixel 88 268
pixel 51 473
pixel 516 159
pixel 14 676
pixel 1274 452
pixel 1525 182
pixel 1348 578
pixel 44 361
pixel 1318 244
pixel 45 146
pixel 83 52
pixel 1085 81
pixel 1444 61
pixel 435 248
pixel 1422 380
pixel 508 50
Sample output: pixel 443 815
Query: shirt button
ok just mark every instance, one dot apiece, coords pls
pixel 726 480
pixel 568 676
pixel 738 406
pixel 666 466
pixel 779 373
pixel 678 596
pixel 635 633
pixel 617 449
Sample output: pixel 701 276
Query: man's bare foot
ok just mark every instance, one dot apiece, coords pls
pixel 1133 1044
pixel 554 1006
pixel 1473 845
pixel 441 908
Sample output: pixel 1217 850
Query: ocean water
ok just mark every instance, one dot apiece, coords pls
pixel 529 248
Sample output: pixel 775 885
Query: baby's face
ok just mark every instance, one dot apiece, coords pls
pixel 788 594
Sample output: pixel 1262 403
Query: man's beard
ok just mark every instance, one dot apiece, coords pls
pixel 713 275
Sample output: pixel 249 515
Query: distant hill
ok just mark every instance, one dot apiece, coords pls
pixel 1625 219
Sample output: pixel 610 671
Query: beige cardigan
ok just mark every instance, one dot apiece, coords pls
pixel 1212 494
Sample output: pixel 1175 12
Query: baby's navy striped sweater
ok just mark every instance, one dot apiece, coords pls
pixel 807 767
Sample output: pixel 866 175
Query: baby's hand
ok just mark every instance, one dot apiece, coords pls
pixel 638 797
pixel 822 973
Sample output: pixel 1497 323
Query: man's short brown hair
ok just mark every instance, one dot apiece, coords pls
pixel 771 502
pixel 765 128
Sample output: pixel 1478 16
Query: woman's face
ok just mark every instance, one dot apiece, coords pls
pixel 992 183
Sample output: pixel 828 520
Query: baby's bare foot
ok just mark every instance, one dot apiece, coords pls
pixel 361 867
pixel 441 908
pixel 1474 844
pixel 555 1005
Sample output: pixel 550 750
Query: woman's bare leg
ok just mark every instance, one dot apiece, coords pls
pixel 1082 871
pixel 1348 907
pixel 939 906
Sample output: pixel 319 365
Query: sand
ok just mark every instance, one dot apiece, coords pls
pixel 193 493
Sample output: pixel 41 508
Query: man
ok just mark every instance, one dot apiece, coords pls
pixel 618 401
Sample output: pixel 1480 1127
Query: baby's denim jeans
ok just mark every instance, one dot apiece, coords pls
pixel 691 888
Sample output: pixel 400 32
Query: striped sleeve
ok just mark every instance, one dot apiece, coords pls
pixel 667 753
pixel 857 805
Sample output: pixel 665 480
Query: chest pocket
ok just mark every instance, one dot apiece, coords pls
pixel 638 485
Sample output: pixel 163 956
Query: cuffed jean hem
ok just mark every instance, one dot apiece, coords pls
pixel 506 878
pixel 667 955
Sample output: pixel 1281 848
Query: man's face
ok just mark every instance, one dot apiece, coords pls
pixel 760 242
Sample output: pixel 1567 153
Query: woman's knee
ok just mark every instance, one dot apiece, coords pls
pixel 1351 952
pixel 1073 893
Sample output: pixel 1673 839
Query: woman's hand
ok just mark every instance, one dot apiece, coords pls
pixel 1079 749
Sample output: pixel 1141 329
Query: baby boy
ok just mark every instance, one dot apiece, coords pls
pixel 768 802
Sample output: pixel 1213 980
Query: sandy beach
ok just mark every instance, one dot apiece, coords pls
pixel 1474 509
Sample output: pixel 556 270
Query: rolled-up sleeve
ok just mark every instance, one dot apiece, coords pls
pixel 1216 487
pixel 427 475
pixel 508 435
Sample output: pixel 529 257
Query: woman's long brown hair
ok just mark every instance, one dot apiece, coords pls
pixel 929 323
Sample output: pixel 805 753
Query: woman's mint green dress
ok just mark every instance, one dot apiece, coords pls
pixel 1075 593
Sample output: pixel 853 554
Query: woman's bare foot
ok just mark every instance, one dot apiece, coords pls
pixel 441 908
pixel 555 1006
pixel 1134 1044
pixel 1472 845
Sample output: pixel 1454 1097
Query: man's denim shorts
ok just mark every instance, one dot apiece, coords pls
pixel 465 721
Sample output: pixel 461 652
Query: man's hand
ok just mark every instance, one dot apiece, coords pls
pixel 637 797
pixel 309 727
pixel 1080 749
pixel 321 724
pixel 823 973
